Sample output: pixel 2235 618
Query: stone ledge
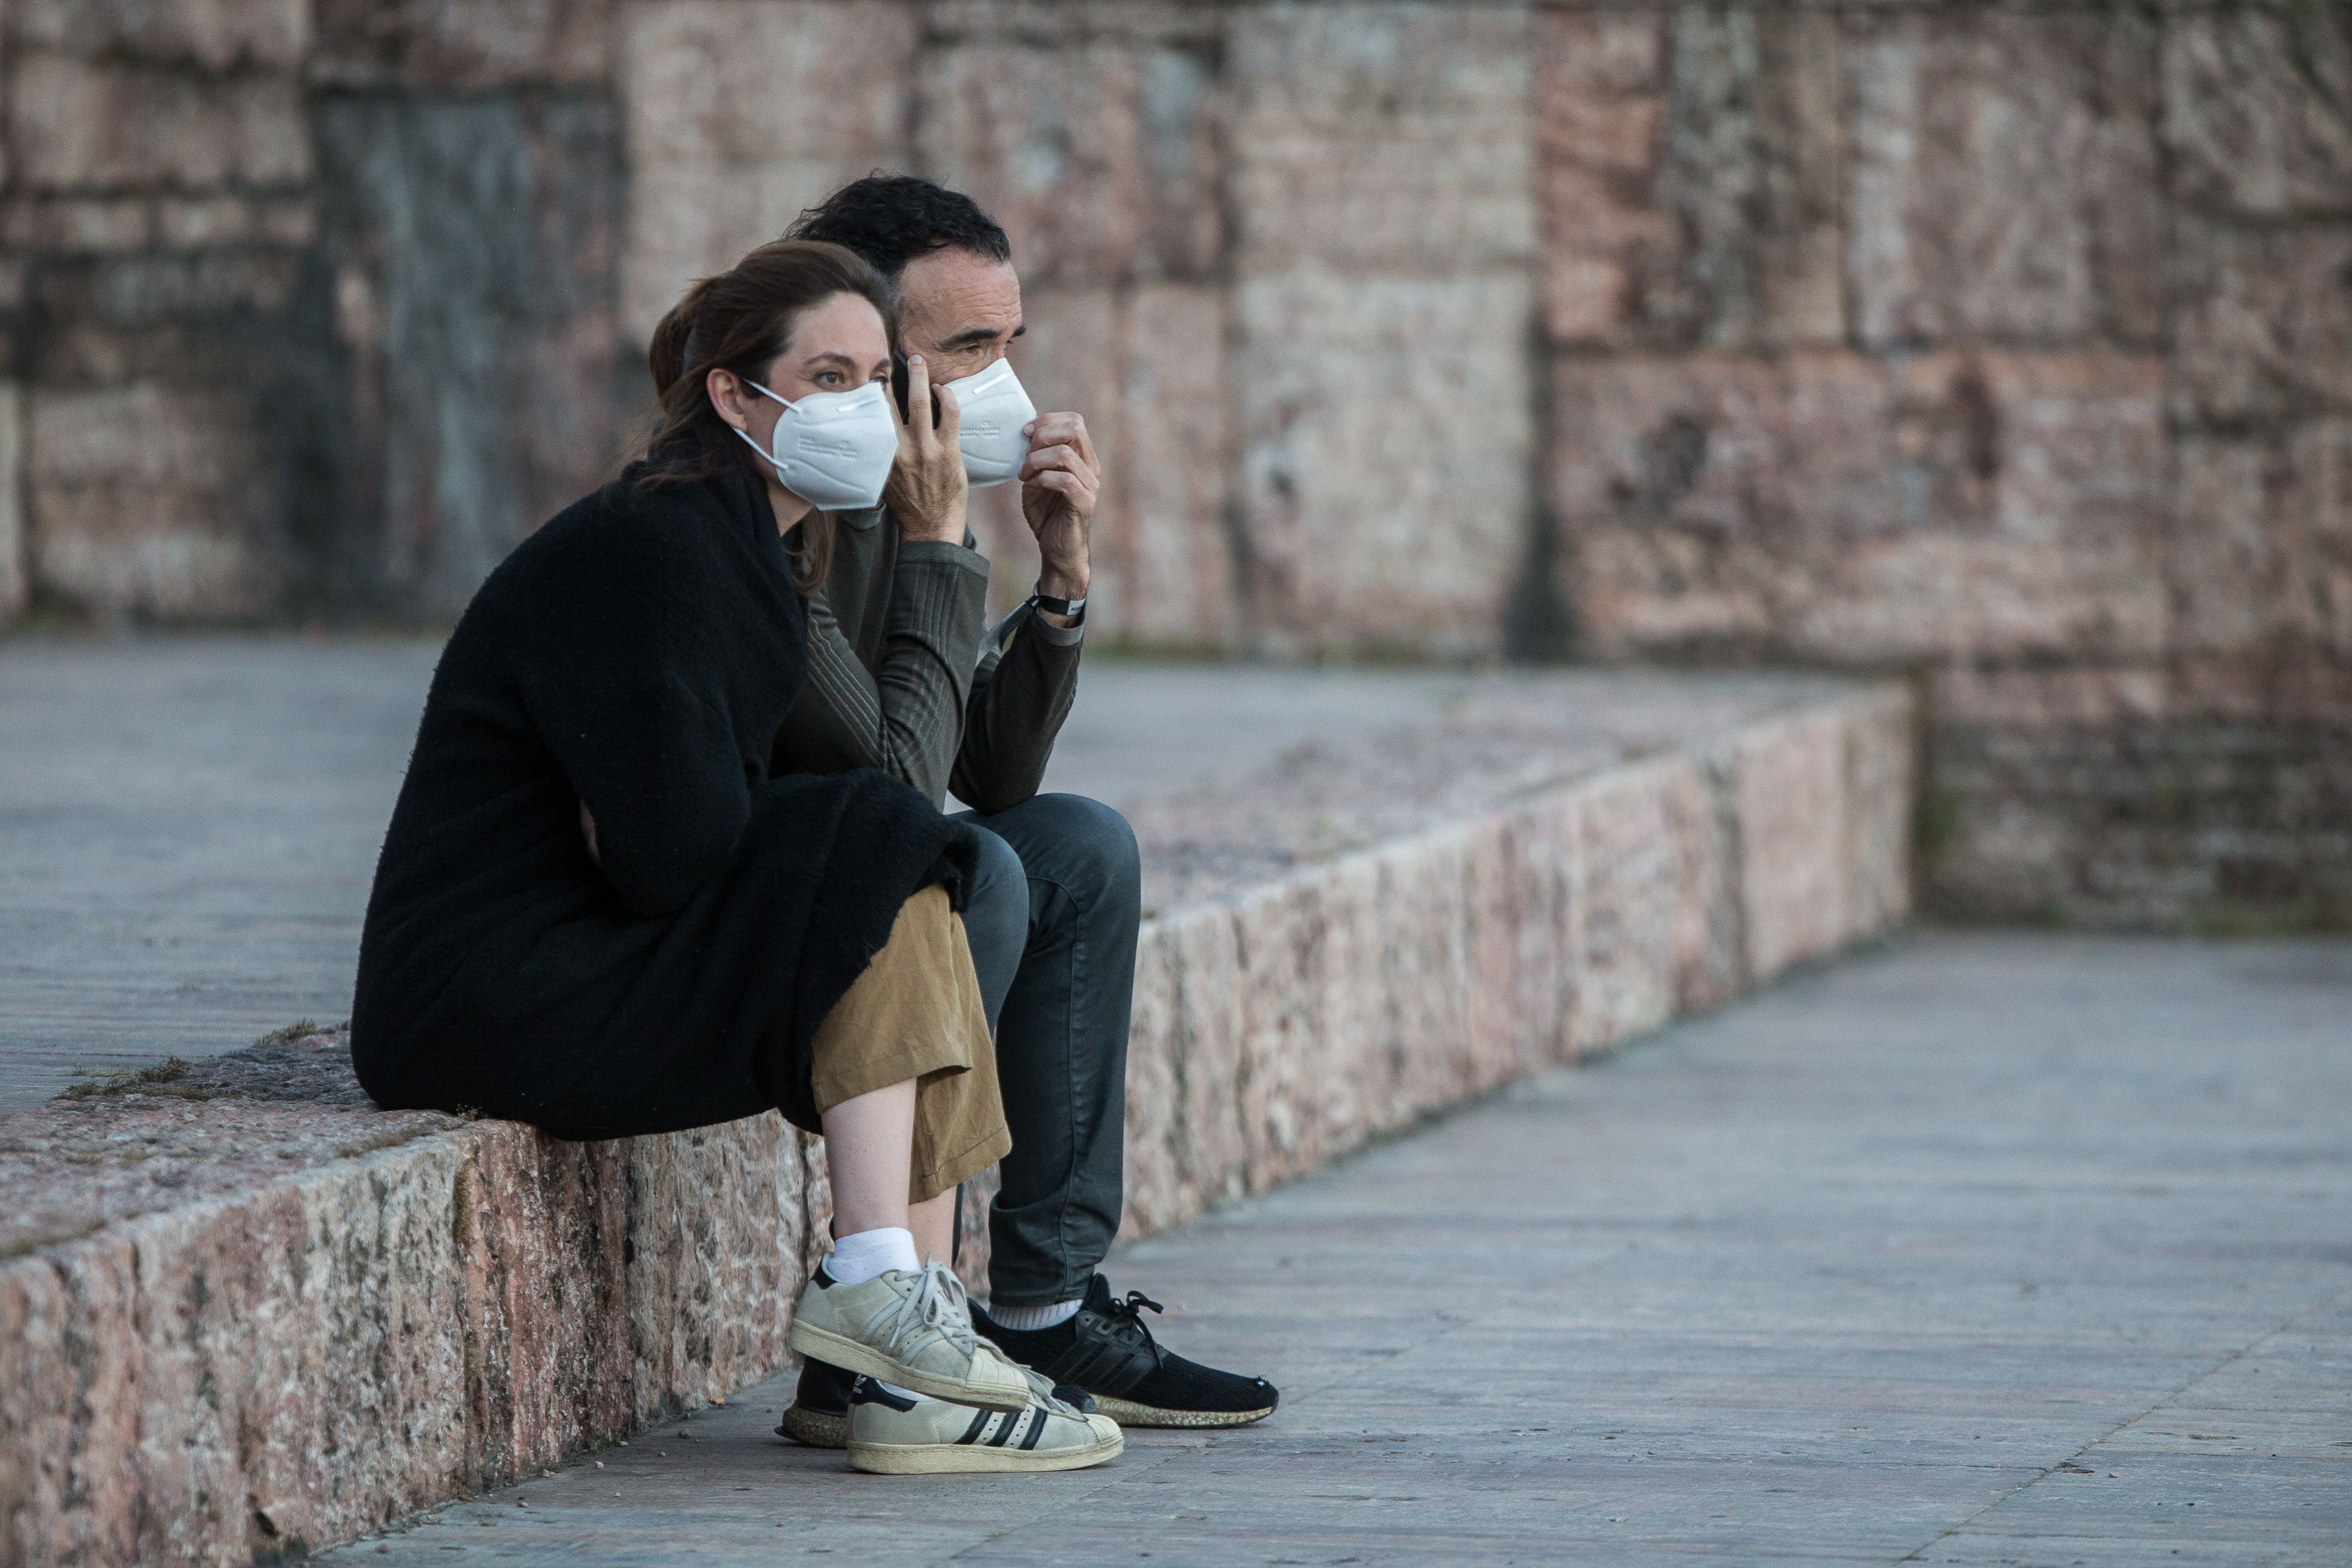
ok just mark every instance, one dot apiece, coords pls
pixel 242 1315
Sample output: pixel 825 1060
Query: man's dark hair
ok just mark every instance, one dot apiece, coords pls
pixel 891 219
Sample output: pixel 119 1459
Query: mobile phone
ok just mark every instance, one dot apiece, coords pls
pixel 899 389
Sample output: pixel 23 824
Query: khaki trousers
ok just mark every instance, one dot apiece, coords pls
pixel 916 1013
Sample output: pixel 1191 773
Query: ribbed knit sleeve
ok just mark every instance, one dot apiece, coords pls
pixel 1028 676
pixel 905 716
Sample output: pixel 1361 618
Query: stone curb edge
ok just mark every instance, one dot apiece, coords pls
pixel 269 1372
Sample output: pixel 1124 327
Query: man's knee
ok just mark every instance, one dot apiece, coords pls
pixel 1096 852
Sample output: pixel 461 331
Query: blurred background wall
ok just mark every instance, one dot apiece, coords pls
pixel 2010 346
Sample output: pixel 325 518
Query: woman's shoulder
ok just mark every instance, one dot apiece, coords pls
pixel 653 513
pixel 628 535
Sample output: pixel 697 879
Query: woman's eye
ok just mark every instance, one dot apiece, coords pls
pixel 828 378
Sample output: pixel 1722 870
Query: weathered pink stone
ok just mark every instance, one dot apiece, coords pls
pixel 1643 909
pixel 78 122
pixel 700 82
pixel 2262 550
pixel 442 46
pixel 2004 181
pixel 2258 108
pixel 1380 138
pixel 1693 167
pixel 1165 566
pixel 1391 520
pixel 163 524
pixel 250 34
pixel 1788 787
pixel 2044 810
pixel 1089 133
pixel 1851 508
pixel 2263 328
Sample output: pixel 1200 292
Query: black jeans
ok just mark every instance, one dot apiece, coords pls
pixel 1052 918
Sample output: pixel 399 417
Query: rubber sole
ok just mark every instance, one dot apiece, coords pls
pixel 855 1355
pixel 973 1458
pixel 1127 1414
pixel 814 1428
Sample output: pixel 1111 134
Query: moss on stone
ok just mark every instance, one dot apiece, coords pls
pixel 114 1082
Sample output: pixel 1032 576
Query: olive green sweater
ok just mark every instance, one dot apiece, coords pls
pixel 899 679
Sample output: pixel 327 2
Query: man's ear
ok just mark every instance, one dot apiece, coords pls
pixel 725 390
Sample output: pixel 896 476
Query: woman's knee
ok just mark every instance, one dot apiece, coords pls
pixel 996 917
pixel 999 893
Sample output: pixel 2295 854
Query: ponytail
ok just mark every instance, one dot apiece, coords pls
pixel 739 321
pixel 666 355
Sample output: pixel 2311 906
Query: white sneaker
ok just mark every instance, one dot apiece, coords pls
pixel 913 1329
pixel 890 1436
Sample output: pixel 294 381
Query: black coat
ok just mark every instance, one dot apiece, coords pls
pixel 638 653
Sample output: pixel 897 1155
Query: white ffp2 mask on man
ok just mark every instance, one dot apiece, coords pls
pixel 833 450
pixel 993 409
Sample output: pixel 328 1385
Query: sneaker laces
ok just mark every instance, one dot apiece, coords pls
pixel 1041 1388
pixel 936 1305
pixel 1126 1320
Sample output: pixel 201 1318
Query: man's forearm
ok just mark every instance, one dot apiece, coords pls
pixel 1018 702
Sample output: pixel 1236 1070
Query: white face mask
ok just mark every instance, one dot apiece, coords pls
pixel 833 450
pixel 993 409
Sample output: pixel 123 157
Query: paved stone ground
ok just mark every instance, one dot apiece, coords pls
pixel 1982 1249
pixel 188 826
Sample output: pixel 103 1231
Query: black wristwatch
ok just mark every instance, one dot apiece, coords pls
pixel 1074 609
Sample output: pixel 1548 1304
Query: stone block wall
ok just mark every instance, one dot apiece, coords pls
pixel 158 212
pixel 2008 346
pixel 2005 345
pixel 310 301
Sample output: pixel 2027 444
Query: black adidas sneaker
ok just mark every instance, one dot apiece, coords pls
pixel 819 1416
pixel 1136 1381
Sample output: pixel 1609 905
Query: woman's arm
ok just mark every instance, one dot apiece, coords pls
pixel 664 798
pixel 626 662
pixel 906 715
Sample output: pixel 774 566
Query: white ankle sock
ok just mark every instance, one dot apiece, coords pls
pixel 855 1259
pixel 1032 1319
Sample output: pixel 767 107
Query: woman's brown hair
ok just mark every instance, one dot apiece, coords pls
pixel 740 320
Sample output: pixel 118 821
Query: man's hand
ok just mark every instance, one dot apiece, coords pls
pixel 1060 483
pixel 927 492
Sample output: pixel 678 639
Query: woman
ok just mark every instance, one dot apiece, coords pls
pixel 596 911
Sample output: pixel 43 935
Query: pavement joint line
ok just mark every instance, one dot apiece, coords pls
pixel 2334 1299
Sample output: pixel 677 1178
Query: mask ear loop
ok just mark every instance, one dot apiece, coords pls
pixel 767 454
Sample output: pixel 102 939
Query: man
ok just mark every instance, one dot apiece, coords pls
pixel 899 680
